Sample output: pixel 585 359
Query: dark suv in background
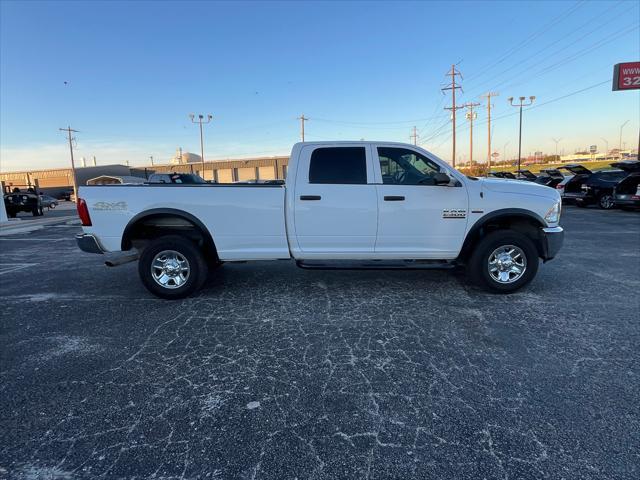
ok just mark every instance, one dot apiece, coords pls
pixel 591 188
pixel 626 193
pixel 23 201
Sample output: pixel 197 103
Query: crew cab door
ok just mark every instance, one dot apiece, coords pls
pixel 416 217
pixel 335 202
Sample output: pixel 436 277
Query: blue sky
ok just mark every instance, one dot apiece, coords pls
pixel 134 72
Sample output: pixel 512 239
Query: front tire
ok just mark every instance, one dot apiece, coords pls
pixel 504 261
pixel 172 267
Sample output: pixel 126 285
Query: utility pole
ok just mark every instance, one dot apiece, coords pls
pixel 471 116
pixel 488 95
pixel 200 121
pixel 414 136
pixel 557 141
pixel 453 87
pixel 302 120
pixel 520 105
pixel 94 161
pixel 69 131
pixel 151 158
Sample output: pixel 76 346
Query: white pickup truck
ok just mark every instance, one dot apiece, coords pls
pixel 343 205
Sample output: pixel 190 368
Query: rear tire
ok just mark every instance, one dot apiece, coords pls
pixel 605 201
pixel 496 246
pixel 184 271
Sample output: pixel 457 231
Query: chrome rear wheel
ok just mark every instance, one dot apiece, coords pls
pixel 170 269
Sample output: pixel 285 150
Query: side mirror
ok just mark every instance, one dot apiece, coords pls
pixel 441 178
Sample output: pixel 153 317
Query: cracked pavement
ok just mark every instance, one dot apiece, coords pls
pixel 273 372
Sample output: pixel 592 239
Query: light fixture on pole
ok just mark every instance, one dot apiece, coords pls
pixel 200 120
pixel 520 105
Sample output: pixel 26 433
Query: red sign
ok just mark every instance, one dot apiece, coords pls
pixel 626 76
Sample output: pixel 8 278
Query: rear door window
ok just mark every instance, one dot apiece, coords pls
pixel 338 165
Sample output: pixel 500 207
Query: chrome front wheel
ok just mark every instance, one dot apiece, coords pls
pixel 507 264
pixel 170 269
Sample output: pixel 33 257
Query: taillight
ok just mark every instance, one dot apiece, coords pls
pixel 83 212
pixel 560 187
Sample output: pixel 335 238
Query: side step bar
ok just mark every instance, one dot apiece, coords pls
pixel 376 264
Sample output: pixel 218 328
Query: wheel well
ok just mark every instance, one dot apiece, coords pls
pixel 524 224
pixel 141 230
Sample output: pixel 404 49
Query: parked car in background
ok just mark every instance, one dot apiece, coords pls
pixel 66 195
pixel 563 183
pixel 626 193
pixel 598 188
pixel 179 178
pixel 502 175
pixel 48 201
pixel 591 188
pixel 22 201
pixel 550 177
pixel 526 175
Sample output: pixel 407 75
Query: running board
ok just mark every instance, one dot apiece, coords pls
pixel 375 264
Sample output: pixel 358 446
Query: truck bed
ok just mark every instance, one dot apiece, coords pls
pixel 246 221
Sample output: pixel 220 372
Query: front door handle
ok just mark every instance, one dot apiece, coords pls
pixel 394 198
pixel 310 197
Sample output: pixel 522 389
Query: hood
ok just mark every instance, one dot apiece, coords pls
pixel 504 185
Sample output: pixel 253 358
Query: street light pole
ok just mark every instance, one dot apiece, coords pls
pixel 200 121
pixel 520 105
pixel 620 144
pixel 607 146
pixel 557 141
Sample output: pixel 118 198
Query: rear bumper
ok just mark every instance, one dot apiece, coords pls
pixel 626 201
pixel 88 243
pixel 552 240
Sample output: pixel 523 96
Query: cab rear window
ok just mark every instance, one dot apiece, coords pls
pixel 338 165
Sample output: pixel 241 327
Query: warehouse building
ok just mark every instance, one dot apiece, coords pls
pixel 58 180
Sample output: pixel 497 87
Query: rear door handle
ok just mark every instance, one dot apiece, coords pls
pixel 394 198
pixel 310 197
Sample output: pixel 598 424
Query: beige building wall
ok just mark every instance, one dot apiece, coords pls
pixel 248 173
pixel 225 175
pixel 267 173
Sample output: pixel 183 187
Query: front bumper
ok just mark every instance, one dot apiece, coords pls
pixel 88 243
pixel 552 240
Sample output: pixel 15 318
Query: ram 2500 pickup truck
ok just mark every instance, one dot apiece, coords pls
pixel 343 205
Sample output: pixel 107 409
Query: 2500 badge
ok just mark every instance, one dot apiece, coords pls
pixel 454 213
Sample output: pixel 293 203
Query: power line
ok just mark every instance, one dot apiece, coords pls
pixel 581 29
pixel 530 38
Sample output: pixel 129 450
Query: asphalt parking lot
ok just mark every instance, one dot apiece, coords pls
pixel 273 372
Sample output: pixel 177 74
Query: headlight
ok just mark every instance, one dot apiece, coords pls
pixel 553 215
